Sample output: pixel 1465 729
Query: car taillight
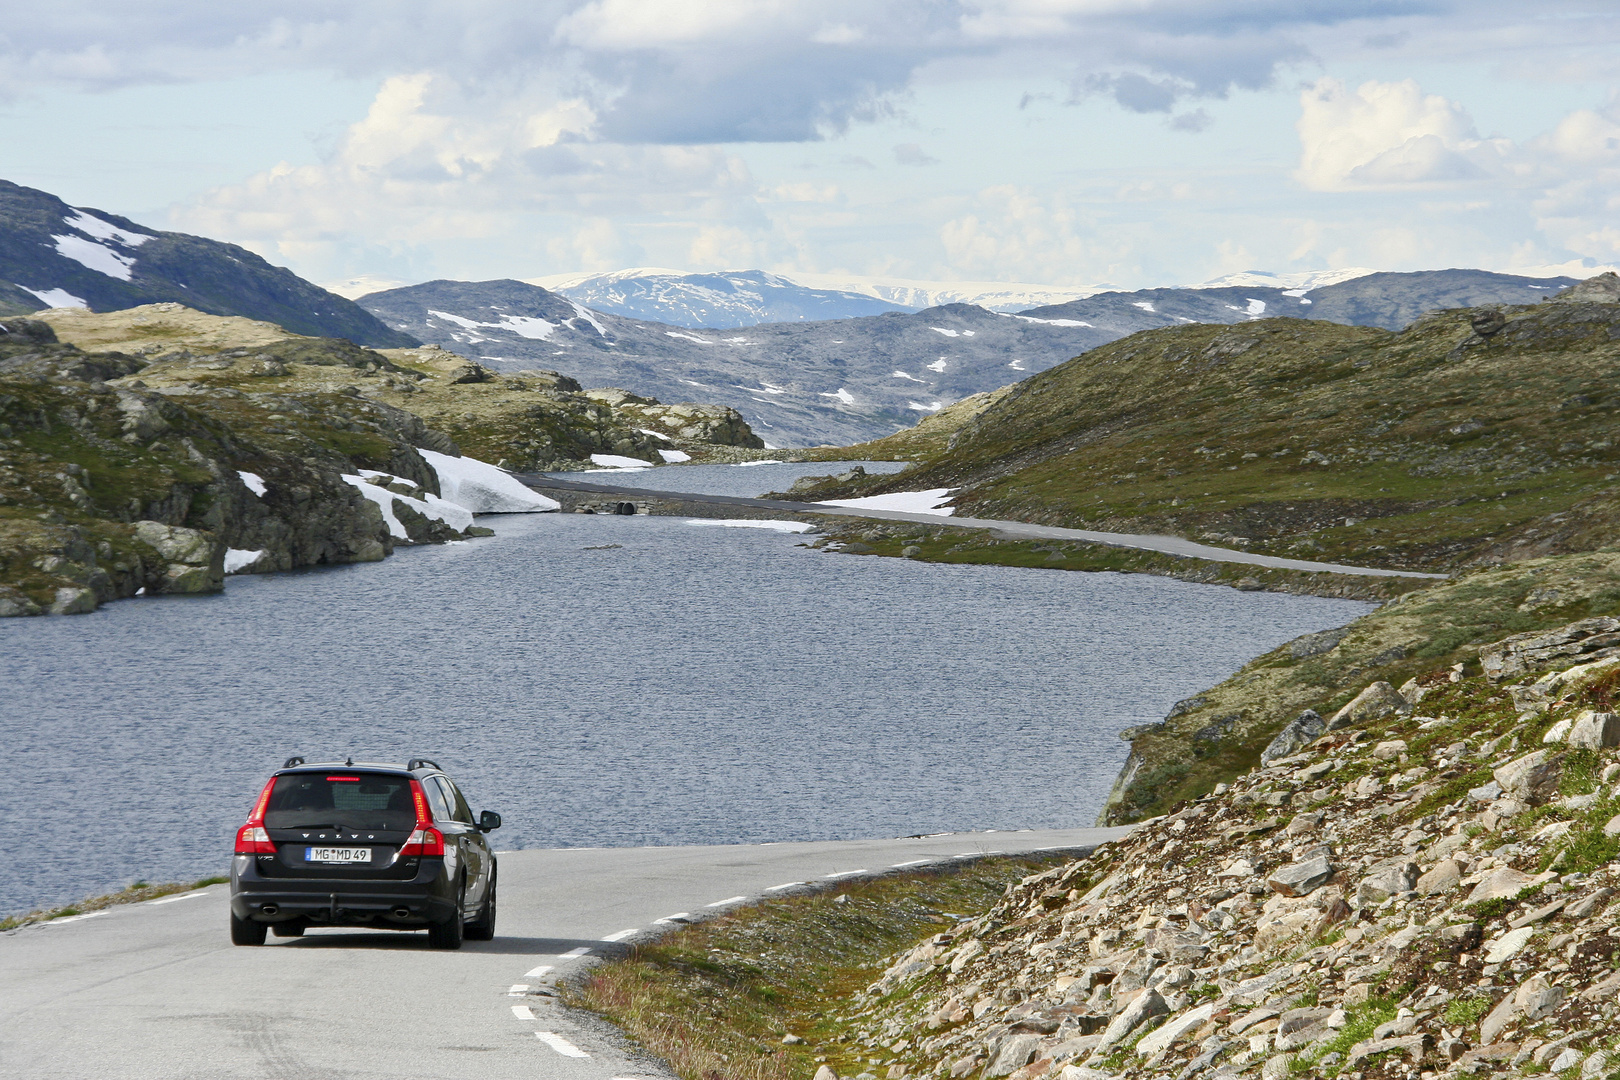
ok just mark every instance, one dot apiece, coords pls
pixel 428 841
pixel 251 839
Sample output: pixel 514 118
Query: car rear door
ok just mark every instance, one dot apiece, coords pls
pixel 469 842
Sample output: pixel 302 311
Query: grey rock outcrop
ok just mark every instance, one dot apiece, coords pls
pixel 1299 733
pixel 1376 701
pixel 1576 643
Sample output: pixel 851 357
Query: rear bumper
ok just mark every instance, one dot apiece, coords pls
pixel 395 904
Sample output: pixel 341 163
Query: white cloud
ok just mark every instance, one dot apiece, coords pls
pixel 1384 135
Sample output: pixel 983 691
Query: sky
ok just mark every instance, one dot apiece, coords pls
pixel 1068 142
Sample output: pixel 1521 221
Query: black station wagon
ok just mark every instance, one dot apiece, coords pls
pixel 383 846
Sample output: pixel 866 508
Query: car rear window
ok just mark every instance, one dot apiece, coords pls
pixel 344 800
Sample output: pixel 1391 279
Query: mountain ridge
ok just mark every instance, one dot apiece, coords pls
pixel 56 255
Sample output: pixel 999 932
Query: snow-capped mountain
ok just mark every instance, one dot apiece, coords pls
pixel 1263 279
pixel 722 300
pixel 56 255
pixel 733 298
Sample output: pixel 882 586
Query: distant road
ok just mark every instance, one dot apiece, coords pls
pixel 1168 545
pixel 157 990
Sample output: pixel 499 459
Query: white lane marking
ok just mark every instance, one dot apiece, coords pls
pixel 679 916
pixel 182 896
pixel 913 862
pixel 523 1012
pixel 517 989
pixel 75 918
pixel 784 885
pixel 560 1044
pixel 842 874
pixel 622 934
pixel 574 954
pixel 728 900
pixel 543 969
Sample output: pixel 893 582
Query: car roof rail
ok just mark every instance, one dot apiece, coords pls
pixel 421 763
pixel 294 760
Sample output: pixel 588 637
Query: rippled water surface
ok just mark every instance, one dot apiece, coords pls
pixel 604 681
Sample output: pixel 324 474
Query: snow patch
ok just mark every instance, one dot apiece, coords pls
pixel 766 389
pixel 585 313
pixel 91 225
pixel 1052 322
pixel 614 461
pixel 483 488
pixel 654 434
pixel 689 337
pixel 672 456
pixel 842 395
pixel 56 298
pixel 920 407
pixel 457 517
pixel 532 328
pixel 905 375
pixel 1143 304
pixel 1256 308
pixel 97 257
pixel 254 482
pixel 237 558
pixel 905 502
pixel 1018 365
pixel 943 330
pixel 745 523
pixel 937 365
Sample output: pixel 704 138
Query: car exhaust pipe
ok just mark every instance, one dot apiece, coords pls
pixel 269 909
pixel 401 912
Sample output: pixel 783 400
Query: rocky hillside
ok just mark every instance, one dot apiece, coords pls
pixel 1475 435
pixel 1421 884
pixel 158 448
pixel 54 255
pixel 806 382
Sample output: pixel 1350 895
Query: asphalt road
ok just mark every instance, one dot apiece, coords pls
pixel 1021 530
pixel 157 990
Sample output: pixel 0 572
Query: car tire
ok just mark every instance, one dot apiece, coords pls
pixel 483 927
pixel 288 929
pixel 448 934
pixel 246 931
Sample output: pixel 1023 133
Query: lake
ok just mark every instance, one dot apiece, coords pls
pixel 605 680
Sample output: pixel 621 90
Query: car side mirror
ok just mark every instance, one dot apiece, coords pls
pixel 489 821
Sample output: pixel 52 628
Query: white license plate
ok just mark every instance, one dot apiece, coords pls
pixel 337 854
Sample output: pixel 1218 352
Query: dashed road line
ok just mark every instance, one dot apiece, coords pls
pixel 678 917
pixel 841 874
pixel 518 989
pixel 172 899
pixel 913 862
pixel 560 1044
pixel 622 934
pixel 523 1012
pixel 575 954
pixel 728 900
pixel 543 969
pixel 784 885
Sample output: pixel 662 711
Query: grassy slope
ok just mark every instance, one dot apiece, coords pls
pixel 1436 453
pixel 716 999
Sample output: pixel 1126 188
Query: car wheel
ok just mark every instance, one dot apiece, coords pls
pixel 288 929
pixel 483 927
pixel 447 934
pixel 246 931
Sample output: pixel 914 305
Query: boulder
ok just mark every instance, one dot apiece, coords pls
pixel 1175 1029
pixel 1508 945
pixel 1147 1006
pixel 1378 700
pixel 1389 751
pixel 1594 730
pixel 1413 1046
pixel 1299 733
pixel 1499 883
pixel 1012 1053
pixel 1535 999
pixel 1532 778
pixel 1301 878
pixel 195 561
pixel 1385 882
pixel 1442 878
